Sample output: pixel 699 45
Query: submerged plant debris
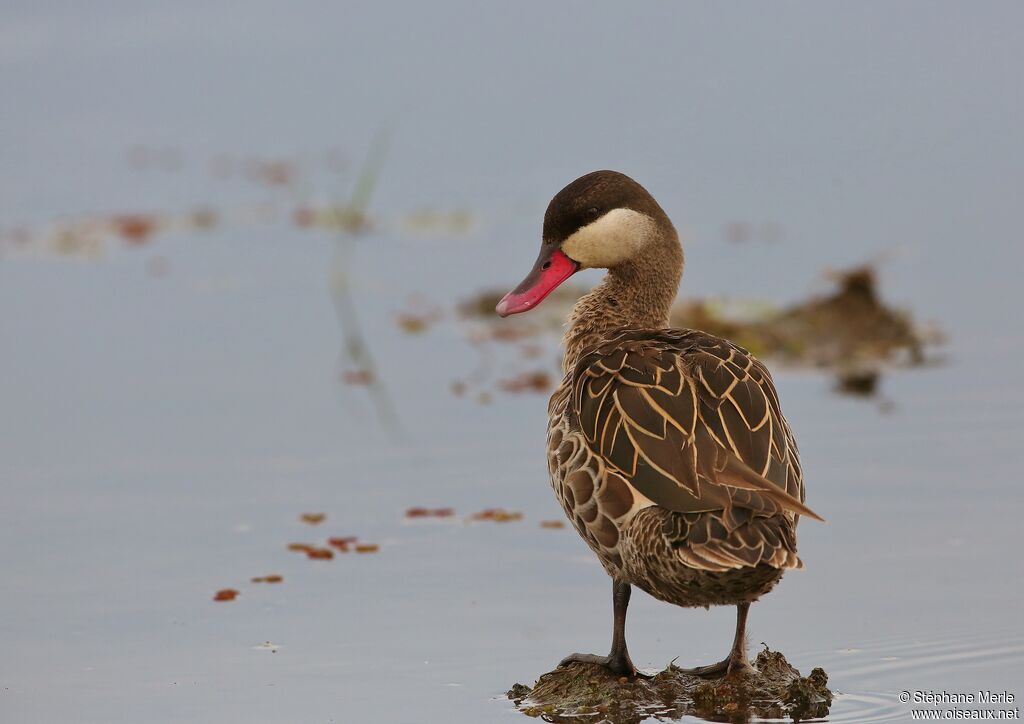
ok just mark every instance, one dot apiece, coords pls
pixel 590 693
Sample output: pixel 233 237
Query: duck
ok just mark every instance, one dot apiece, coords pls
pixel 667 448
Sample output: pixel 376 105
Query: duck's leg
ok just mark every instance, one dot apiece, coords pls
pixel 737 658
pixel 617 660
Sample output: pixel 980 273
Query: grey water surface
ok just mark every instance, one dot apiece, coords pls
pixel 160 435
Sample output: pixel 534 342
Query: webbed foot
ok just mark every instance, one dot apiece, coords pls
pixel 729 665
pixel 619 665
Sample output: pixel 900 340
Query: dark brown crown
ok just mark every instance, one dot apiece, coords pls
pixel 591 196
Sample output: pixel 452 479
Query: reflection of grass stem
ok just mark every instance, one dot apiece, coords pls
pixel 350 219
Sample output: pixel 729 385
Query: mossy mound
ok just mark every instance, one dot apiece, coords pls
pixel 590 693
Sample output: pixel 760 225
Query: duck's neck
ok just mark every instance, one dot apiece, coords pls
pixel 636 294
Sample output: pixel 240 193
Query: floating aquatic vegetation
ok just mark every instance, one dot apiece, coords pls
pixel 272 172
pixel 852 327
pixel 204 217
pixel 90 237
pixel 320 553
pixel 336 217
pixel 547 317
pixel 413 324
pixel 225 594
pixel 298 181
pixel 342 543
pixel 432 221
pixel 590 693
pixel 367 547
pixel 498 515
pixel 272 578
pixel 552 524
pixel 313 518
pixel 301 547
pixel 429 512
pixel 81 240
pixel 135 229
pixel 851 332
pixel 530 381
pixel 418 316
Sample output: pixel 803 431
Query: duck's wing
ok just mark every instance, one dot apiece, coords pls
pixel 691 421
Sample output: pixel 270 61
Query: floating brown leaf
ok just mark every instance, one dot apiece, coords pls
pixel 225 594
pixel 320 553
pixel 498 515
pixel 301 547
pixel 552 524
pixel 342 543
pixel 272 578
pixel 367 548
pixel 313 518
pixel 134 228
pixel 429 512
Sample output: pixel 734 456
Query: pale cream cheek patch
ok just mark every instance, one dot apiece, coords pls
pixel 612 239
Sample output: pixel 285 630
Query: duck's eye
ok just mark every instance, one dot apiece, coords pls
pixel 592 212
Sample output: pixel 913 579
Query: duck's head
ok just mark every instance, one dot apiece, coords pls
pixel 603 220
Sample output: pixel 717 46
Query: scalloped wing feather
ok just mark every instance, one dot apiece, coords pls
pixel 704 541
pixel 691 421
